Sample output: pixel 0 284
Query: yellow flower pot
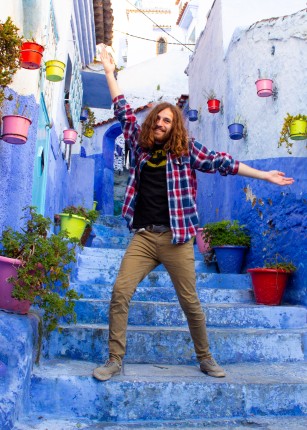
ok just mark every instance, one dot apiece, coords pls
pixel 73 224
pixel 89 132
pixel 55 70
pixel 298 129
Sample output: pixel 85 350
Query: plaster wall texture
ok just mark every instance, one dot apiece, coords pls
pixel 274 215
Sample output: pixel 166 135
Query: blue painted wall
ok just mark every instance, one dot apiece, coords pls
pixel 277 220
pixel 16 164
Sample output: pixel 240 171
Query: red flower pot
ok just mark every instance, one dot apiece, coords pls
pixel 269 285
pixel 31 55
pixel 8 269
pixel 15 129
pixel 213 105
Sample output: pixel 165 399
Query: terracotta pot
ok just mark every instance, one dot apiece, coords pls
pixel 269 285
pixel 213 105
pixel 15 129
pixel 8 269
pixel 264 87
pixel 31 55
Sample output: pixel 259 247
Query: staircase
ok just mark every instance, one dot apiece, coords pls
pixel 260 347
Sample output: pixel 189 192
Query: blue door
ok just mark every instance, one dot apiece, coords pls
pixel 41 160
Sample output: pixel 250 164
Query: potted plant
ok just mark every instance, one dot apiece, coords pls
pixel 35 269
pixel 70 136
pixel 212 102
pixel 55 70
pixel 193 115
pixel 269 282
pixel 16 126
pixel 88 125
pixel 236 129
pixel 10 43
pixel 31 55
pixel 74 220
pixel 295 128
pixel 229 240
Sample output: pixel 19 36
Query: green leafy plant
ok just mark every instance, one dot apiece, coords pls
pixel 90 214
pixel 280 263
pixel 43 276
pixel 209 95
pixel 226 232
pixel 10 44
pixel 88 125
pixel 285 131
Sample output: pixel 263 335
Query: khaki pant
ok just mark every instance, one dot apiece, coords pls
pixel 145 252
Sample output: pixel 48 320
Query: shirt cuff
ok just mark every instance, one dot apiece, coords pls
pixel 117 98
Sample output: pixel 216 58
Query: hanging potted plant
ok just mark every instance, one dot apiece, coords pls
pixel 229 240
pixel 84 114
pixel 294 128
pixel 70 136
pixel 31 55
pixel 212 102
pixel 10 43
pixel 193 115
pixel 35 269
pixel 269 282
pixel 236 129
pixel 15 127
pixel 264 87
pixel 88 125
pixel 55 70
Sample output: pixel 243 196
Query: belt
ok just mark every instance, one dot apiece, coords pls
pixel 153 229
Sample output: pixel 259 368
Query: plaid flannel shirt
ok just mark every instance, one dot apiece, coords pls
pixel 180 175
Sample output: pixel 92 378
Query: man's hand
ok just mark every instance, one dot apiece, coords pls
pixel 278 178
pixel 106 58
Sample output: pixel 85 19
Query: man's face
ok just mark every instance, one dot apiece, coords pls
pixel 164 125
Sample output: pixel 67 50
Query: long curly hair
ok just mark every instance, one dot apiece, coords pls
pixel 177 143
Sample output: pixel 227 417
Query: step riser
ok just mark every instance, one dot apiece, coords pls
pixel 158 346
pixel 167 294
pixel 131 401
pixel 161 278
pixel 167 315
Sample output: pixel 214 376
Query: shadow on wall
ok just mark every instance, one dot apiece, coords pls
pixel 104 171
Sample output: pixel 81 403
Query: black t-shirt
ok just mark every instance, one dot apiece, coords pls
pixel 152 203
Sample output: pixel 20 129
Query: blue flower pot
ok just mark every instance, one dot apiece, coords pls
pixel 84 115
pixel 193 115
pixel 236 131
pixel 230 258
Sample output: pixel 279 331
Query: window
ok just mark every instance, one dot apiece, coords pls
pixel 161 46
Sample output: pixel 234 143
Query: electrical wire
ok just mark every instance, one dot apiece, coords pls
pixel 152 40
pixel 140 10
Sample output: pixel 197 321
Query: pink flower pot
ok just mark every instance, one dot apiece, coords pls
pixel 8 269
pixel 202 246
pixel 15 129
pixel 70 136
pixel 264 87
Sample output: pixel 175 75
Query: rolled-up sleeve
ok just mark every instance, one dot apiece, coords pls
pixel 209 161
pixel 125 115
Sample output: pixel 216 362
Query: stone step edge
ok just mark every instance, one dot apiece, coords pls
pixel 258 374
pixel 245 330
pixel 244 423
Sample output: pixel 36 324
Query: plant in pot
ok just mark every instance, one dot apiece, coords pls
pixel 75 219
pixel 31 54
pixel 264 85
pixel 10 44
pixel 212 102
pixel 16 125
pixel 295 128
pixel 229 241
pixel 35 269
pixel 88 125
pixel 269 282
pixel 237 130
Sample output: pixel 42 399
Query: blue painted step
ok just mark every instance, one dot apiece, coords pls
pixel 159 392
pixel 173 345
pixel 218 315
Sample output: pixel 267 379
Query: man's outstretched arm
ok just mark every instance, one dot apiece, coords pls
pixel 273 176
pixel 109 68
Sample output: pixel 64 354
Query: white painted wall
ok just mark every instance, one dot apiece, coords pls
pixel 232 76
